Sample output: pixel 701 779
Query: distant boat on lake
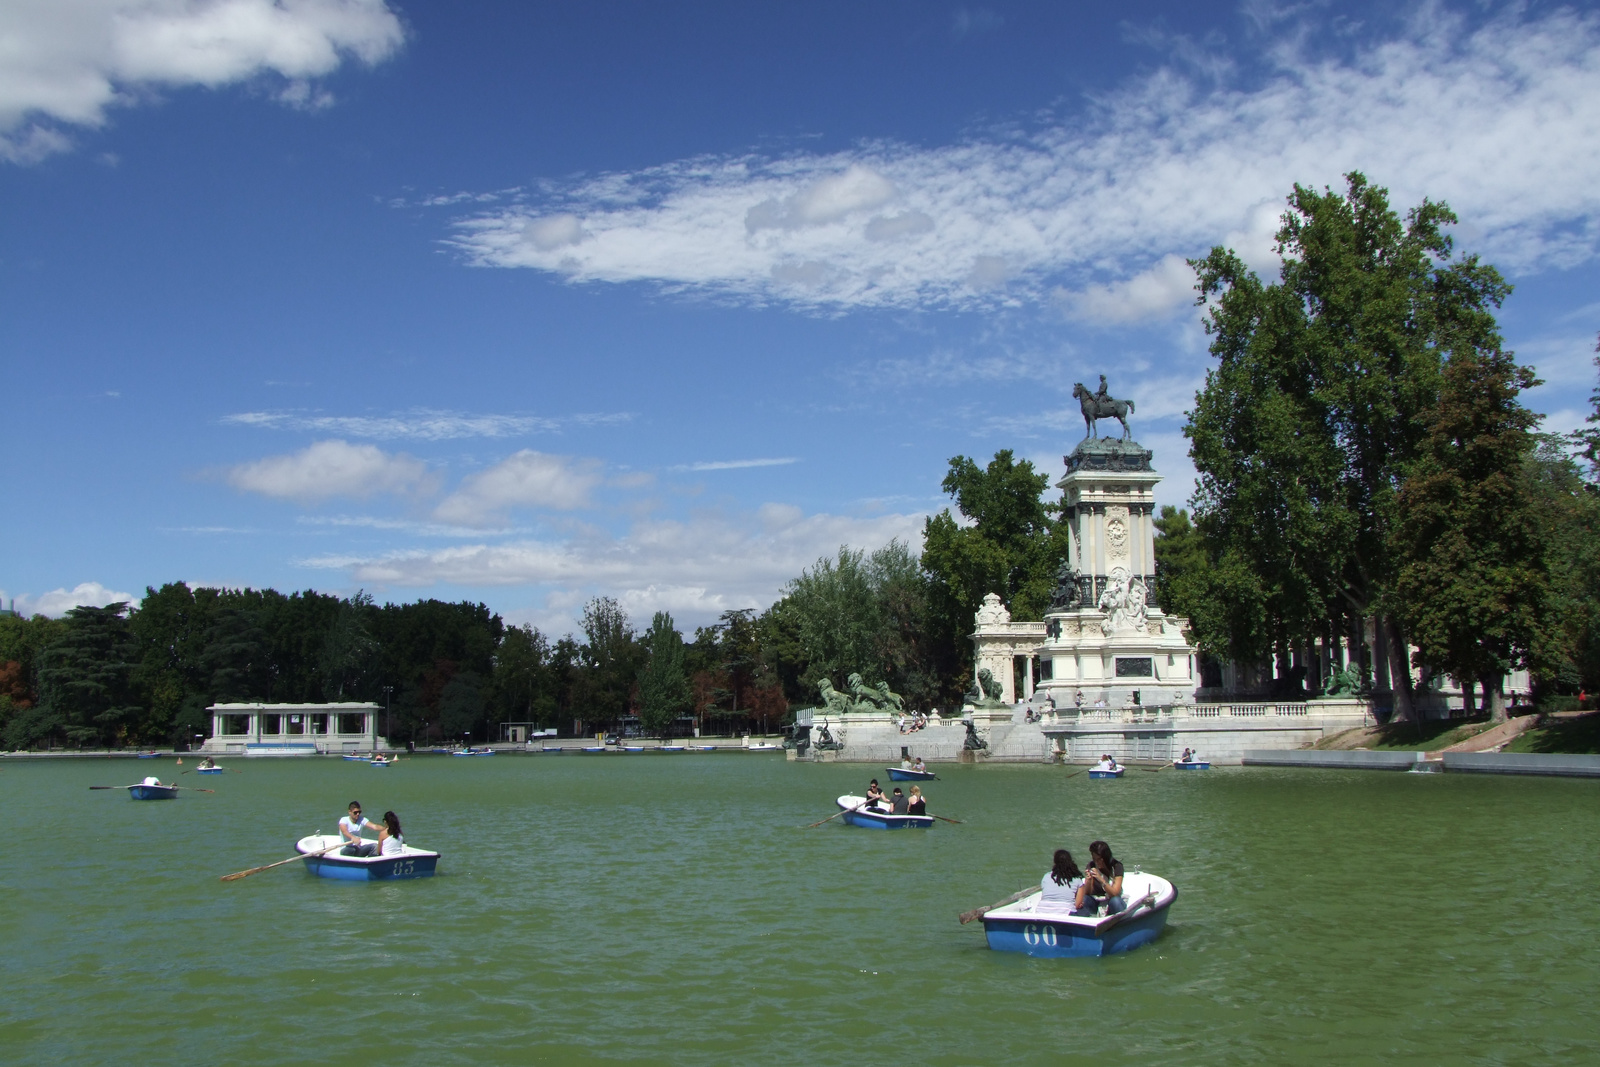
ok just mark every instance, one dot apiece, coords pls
pixel 146 791
pixel 906 774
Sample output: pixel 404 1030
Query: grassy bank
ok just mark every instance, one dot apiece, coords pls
pixel 1577 734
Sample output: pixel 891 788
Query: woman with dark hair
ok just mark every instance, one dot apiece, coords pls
pixel 389 840
pixel 1059 888
pixel 1102 883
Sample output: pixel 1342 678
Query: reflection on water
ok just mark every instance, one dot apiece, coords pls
pixel 670 908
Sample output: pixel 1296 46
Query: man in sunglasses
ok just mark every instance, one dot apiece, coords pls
pixel 350 828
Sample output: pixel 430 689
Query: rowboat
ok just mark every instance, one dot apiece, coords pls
pixel 153 792
pixel 473 752
pixel 1192 765
pixel 906 774
pixel 763 747
pixel 1038 929
pixel 351 757
pixel 856 815
pixel 380 762
pixel 208 770
pixel 672 748
pixel 703 748
pixel 1096 772
pixel 633 748
pixel 410 862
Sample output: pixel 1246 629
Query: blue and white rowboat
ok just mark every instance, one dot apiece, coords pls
pixel 208 770
pixel 877 820
pixel 473 752
pixel 153 792
pixel 1096 772
pixel 1192 765
pixel 672 748
pixel 1046 930
pixel 409 863
pixel 906 774
pixel 353 758
pixel 763 747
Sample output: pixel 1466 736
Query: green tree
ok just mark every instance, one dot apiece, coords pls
pixel 85 678
pixel 1473 585
pixel 609 662
pixel 1306 428
pixel 663 684
pixel 348 650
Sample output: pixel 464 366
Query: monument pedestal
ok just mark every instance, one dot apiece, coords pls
pixel 1105 636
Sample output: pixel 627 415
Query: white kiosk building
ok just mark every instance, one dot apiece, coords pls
pixel 293 729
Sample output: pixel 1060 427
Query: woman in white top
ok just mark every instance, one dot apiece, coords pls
pixel 389 840
pixel 1059 888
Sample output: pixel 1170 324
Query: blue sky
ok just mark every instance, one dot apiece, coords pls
pixel 528 303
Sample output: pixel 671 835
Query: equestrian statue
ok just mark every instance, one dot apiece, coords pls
pixel 1101 405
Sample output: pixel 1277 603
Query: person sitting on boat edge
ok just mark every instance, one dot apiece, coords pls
pixel 390 842
pixel 1102 883
pixel 916 804
pixel 897 806
pixel 875 797
pixel 1059 886
pixel 350 828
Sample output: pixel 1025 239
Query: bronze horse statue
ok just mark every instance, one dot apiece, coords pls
pixel 1096 408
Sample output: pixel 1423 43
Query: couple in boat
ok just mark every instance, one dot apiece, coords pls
pixel 896 803
pixel 389 841
pixel 1096 891
pixel 1108 762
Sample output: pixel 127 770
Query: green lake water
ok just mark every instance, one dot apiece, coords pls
pixel 671 909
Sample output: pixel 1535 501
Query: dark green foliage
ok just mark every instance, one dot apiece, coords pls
pixel 1314 414
pixel 663 684
pixel 608 663
pixel 85 682
pixel 1473 584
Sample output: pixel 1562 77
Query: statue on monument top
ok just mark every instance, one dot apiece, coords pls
pixel 1101 405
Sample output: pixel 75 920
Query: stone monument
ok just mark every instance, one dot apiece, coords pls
pixel 1105 636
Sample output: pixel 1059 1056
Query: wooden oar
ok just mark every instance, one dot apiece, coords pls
pixel 1075 774
pixel 1111 920
pixel 836 814
pixel 975 913
pixel 234 877
pixel 941 818
pixel 195 789
pixel 1156 770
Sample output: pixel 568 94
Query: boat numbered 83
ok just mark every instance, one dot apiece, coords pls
pixel 409 863
pixel 1037 929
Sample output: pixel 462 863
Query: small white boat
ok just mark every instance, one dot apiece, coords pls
pixel 856 814
pixel 764 747
pixel 1035 928
pixel 1106 772
pixel 672 748
pixel 410 862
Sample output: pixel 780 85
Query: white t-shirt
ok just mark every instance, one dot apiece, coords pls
pixel 152 781
pixel 355 828
pixel 392 846
pixel 1056 895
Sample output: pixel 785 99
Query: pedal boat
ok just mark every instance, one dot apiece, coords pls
pixel 906 774
pixel 153 792
pixel 1050 931
pixel 1096 772
pixel 1192 765
pixel 410 863
pixel 878 820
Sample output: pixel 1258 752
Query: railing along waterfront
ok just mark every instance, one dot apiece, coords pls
pixel 1166 713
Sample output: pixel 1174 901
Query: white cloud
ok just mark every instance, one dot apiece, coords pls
pixel 422 424
pixel 1156 292
pixel 332 468
pixel 1502 121
pixel 698 567
pixel 67 61
pixel 58 602
pixel 735 464
pixel 525 479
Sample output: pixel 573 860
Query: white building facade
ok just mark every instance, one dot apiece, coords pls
pixel 293 729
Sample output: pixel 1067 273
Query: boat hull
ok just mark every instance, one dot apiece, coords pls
pixel 410 863
pixel 905 774
pixel 153 792
pixel 474 752
pixel 208 770
pixel 1107 774
pixel 1197 766
pixel 1025 928
pixel 877 820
